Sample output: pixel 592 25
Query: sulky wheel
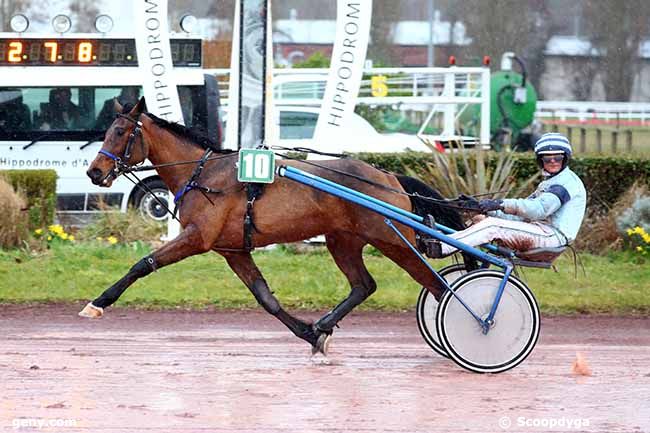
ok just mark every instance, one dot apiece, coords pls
pixel 427 306
pixel 511 337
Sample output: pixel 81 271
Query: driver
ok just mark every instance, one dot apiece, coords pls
pixel 549 218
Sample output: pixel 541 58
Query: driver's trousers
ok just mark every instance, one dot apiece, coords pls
pixel 516 235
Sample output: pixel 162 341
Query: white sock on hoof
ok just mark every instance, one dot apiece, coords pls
pixel 91 312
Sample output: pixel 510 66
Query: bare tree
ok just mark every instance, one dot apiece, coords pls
pixel 615 30
pixel 384 15
pixel 86 11
pixel 582 83
pixel 305 10
pixel 499 26
pixel 224 9
pixel 9 8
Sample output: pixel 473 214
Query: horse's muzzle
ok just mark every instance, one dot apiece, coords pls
pixel 95 175
pixel 98 178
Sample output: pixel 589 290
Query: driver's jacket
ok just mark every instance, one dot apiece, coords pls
pixel 559 201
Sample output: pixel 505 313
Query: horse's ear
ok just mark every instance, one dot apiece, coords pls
pixel 117 106
pixel 139 107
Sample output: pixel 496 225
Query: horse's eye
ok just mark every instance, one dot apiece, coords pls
pixel 119 131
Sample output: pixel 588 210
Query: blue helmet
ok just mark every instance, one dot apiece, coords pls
pixel 553 142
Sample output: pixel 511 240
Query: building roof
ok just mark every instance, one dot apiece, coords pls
pixel 417 33
pixel 576 46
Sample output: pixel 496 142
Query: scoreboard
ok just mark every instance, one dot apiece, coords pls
pixel 89 52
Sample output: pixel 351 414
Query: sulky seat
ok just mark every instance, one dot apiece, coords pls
pixel 538 257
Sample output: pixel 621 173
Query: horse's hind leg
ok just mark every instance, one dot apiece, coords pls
pixel 347 252
pixel 407 260
pixel 247 271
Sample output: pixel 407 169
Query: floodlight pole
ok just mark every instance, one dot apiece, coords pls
pixel 430 49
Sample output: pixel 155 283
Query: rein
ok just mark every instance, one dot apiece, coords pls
pixel 459 203
pixel 122 167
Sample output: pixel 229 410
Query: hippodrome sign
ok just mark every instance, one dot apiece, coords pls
pixel 248 88
pixel 155 59
pixel 155 64
pixel 346 68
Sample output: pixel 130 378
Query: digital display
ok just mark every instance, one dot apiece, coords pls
pixel 90 52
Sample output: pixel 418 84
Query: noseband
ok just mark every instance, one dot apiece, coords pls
pixel 122 163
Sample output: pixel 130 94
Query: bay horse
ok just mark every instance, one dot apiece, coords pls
pixel 212 215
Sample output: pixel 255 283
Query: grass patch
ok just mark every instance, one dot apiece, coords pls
pixel 640 139
pixel 614 284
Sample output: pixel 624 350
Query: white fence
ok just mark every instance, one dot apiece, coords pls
pixel 627 113
pixel 446 91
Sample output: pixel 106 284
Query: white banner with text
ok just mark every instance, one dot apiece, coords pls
pixel 346 69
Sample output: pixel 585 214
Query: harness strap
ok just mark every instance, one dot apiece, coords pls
pixel 253 191
pixel 193 184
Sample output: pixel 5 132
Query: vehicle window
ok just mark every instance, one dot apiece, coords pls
pixel 105 103
pixel 297 125
pixel 76 113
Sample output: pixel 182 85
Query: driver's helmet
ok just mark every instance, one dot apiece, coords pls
pixel 553 143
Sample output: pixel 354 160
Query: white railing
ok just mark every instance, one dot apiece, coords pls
pixel 594 111
pixel 435 90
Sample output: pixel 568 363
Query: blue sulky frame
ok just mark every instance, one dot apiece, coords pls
pixel 393 213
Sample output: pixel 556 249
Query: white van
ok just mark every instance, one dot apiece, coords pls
pixel 56 102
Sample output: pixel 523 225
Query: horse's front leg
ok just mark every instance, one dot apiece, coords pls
pixel 188 243
pixel 244 266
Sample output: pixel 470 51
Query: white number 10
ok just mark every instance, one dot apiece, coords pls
pixel 257 167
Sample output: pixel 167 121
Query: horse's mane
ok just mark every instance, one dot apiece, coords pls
pixel 196 135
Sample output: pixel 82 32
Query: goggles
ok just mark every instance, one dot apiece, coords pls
pixel 552 158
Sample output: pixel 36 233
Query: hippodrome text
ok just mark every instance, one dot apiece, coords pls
pixel 42 163
pixel 156 54
pixel 344 73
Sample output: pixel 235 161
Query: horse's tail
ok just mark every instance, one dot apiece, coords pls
pixel 444 215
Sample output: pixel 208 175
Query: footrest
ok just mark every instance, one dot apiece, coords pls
pixel 530 263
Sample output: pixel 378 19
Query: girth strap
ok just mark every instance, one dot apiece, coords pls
pixel 253 191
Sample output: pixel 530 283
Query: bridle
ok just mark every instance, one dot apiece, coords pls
pixel 122 163
pixel 123 167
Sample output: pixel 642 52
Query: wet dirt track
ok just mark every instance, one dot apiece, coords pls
pixel 137 371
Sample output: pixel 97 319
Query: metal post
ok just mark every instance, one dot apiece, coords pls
pixel 583 140
pixel 628 141
pixel 485 107
pixel 449 127
pixel 430 51
pixel 614 141
pixel 599 140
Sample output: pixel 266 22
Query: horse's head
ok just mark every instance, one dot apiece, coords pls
pixel 124 146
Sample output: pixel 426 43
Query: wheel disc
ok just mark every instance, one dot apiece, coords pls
pixel 427 307
pixel 150 208
pixel 511 337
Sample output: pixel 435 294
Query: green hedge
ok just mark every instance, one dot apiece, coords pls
pixel 39 187
pixel 605 178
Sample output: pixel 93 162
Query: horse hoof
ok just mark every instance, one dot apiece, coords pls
pixel 91 312
pixel 322 344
